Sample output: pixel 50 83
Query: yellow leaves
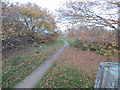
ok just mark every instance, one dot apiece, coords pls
pixel 85 45
pixel 14 23
pixel 110 47
pixel 114 50
pixel 11 30
pixel 114 44
pixel 35 16
pixel 105 54
pixel 32 10
pixel 77 37
pixel 3 38
pixel 88 49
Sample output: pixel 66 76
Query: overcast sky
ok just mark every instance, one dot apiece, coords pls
pixel 55 4
pixel 50 4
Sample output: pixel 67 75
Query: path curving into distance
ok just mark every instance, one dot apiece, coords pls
pixel 31 80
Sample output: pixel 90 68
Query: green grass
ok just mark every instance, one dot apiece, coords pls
pixel 65 75
pixel 19 67
pixel 69 40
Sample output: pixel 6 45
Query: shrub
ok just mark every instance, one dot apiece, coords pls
pixel 102 48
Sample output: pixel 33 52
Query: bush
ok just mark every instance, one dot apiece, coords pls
pixel 30 36
pixel 84 48
pixel 78 43
pixel 105 48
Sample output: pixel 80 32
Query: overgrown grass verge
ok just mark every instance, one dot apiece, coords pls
pixel 16 69
pixel 71 41
pixel 63 74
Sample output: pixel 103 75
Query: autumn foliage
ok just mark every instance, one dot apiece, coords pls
pixel 20 21
pixel 93 24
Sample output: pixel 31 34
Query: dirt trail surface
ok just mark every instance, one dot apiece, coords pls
pixel 31 80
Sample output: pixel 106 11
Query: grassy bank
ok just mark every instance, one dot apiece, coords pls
pixel 75 68
pixel 71 41
pixel 18 67
pixel 64 74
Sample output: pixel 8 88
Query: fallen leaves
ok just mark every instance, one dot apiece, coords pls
pixel 13 72
pixel 74 69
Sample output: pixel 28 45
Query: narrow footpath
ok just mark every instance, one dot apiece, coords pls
pixel 31 80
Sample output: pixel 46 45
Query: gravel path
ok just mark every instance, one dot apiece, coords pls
pixel 31 80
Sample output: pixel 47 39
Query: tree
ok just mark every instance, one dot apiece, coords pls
pixel 88 20
pixel 11 24
pixel 83 16
pixel 83 13
pixel 19 22
pixel 34 16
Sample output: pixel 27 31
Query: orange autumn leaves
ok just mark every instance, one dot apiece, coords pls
pixel 65 75
pixel 35 15
pixel 103 42
pixel 19 22
pixel 106 48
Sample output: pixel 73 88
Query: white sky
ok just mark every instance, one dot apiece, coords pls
pixel 50 4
